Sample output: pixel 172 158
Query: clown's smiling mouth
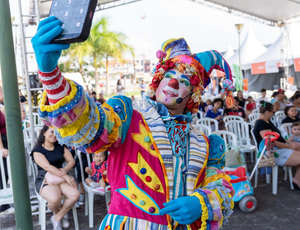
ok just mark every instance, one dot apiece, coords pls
pixel 170 93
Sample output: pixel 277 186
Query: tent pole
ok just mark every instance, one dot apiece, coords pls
pixel 13 122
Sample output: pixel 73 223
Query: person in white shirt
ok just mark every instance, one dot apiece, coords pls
pixel 263 96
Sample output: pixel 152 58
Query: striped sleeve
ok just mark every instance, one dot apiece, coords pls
pixel 81 123
pixel 215 196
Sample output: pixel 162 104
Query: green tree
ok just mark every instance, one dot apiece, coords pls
pixel 111 45
pixel 102 43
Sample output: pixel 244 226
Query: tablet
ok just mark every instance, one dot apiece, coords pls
pixel 76 17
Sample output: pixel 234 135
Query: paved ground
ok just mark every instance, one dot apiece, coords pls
pixel 280 212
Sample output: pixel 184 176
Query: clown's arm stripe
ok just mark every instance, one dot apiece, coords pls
pixel 79 121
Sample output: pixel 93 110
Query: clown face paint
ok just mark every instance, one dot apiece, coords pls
pixel 174 85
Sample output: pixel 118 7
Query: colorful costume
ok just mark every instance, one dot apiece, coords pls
pixel 98 171
pixel 154 157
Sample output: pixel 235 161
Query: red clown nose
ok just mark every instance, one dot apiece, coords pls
pixel 173 83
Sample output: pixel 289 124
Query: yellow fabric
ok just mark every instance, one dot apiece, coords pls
pixel 166 43
pixel 204 216
pixel 62 102
pixel 135 195
pixel 214 178
pixel 72 129
pixel 215 191
pixel 142 163
pixel 140 139
pixel 96 126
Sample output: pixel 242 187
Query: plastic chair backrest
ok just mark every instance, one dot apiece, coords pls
pixel 253 117
pixel 204 129
pixel 241 130
pixel 286 130
pixel 229 138
pixel 232 118
pixel 279 113
pixel 279 120
pixel 5 186
pixel 255 111
pixel 210 122
pixel 273 120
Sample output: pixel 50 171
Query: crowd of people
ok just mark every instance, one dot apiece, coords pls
pixel 287 149
pixel 216 109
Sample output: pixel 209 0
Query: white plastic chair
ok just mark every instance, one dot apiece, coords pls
pixel 232 118
pixel 286 130
pixel 37 120
pixel 255 111
pixel 273 120
pixel 43 202
pixel 241 130
pixel 210 122
pixel 6 193
pixel 198 115
pixel 253 117
pixel 229 138
pixel 89 192
pixel 203 128
pixel 279 120
pixel 274 173
pixel 279 113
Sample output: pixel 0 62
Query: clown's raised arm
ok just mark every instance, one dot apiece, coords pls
pixel 159 167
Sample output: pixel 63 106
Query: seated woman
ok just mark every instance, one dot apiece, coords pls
pixel 288 153
pixel 291 115
pixel 49 157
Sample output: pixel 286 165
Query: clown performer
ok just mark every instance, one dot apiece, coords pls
pixel 158 166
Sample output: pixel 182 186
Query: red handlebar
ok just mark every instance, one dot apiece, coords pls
pixel 276 136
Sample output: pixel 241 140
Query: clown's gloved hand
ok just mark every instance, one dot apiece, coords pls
pixel 46 53
pixel 185 210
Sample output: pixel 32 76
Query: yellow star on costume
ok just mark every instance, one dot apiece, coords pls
pixel 143 170
pixel 138 197
pixel 144 140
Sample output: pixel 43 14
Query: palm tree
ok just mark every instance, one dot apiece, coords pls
pixel 77 52
pixel 101 43
pixel 111 44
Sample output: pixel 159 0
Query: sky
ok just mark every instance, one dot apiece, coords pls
pixel 203 28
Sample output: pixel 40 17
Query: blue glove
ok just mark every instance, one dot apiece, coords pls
pixel 185 210
pixel 47 54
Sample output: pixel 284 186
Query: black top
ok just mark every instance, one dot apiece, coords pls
pixel 289 120
pixel 261 125
pixel 22 99
pixel 242 103
pixel 55 158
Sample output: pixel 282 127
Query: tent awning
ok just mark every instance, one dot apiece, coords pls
pixel 273 11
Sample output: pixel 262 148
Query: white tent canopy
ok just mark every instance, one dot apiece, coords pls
pixel 251 48
pixel 229 52
pixel 294 39
pixel 273 11
pixel 269 61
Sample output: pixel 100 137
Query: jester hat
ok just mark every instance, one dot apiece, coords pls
pixel 176 54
